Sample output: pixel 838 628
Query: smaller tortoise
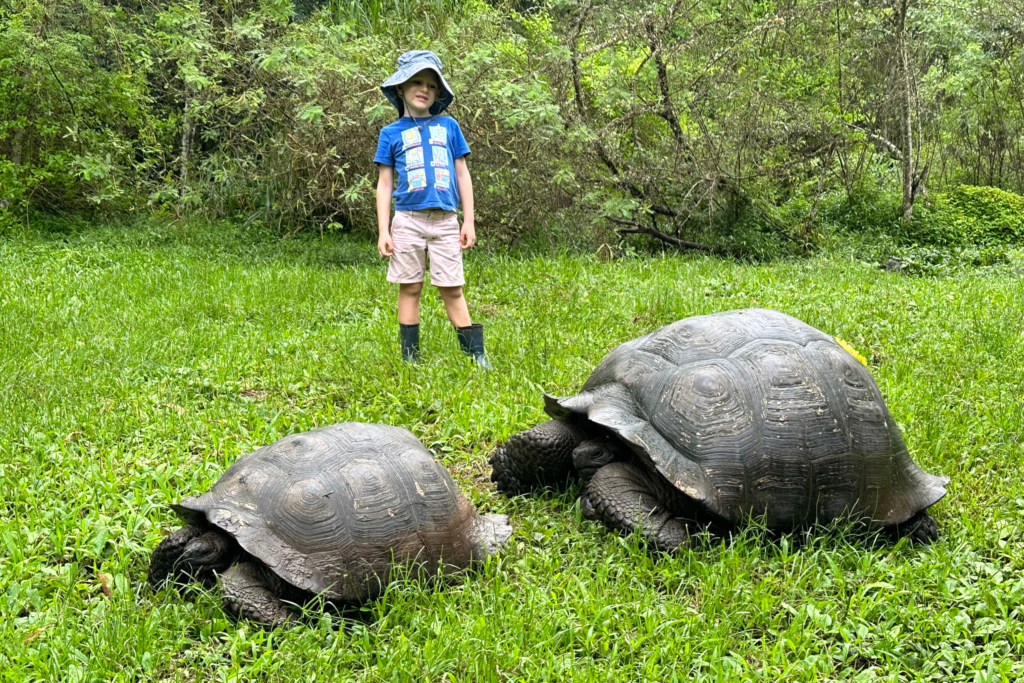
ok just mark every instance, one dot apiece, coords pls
pixel 718 418
pixel 328 512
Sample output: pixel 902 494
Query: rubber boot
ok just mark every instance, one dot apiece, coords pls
pixel 410 335
pixel 471 339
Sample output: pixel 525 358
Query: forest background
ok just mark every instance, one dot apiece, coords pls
pixel 751 128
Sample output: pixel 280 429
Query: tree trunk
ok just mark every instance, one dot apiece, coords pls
pixel 186 147
pixel 19 136
pixel 907 147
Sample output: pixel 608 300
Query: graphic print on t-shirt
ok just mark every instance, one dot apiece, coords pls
pixel 442 180
pixel 439 156
pixel 411 138
pixel 438 135
pixel 414 158
pixel 423 179
pixel 418 180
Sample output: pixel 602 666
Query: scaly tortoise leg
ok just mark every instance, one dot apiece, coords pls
pixel 624 496
pixel 249 592
pixel 538 457
pixel 164 565
pixel 921 529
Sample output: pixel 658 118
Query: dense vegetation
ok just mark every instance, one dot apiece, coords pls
pixel 135 364
pixel 751 126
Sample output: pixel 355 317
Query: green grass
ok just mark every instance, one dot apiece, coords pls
pixel 135 365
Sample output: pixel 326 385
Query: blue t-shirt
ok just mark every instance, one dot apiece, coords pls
pixel 423 154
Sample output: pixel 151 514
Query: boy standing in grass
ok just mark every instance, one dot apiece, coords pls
pixel 429 153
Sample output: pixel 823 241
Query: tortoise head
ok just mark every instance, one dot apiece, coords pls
pixel 214 550
pixel 489 533
pixel 593 454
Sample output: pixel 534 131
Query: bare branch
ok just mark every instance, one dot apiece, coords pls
pixel 636 228
pixel 574 63
pixel 878 138
pixel 667 112
pixel 63 90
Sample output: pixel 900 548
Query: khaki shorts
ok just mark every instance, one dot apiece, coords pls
pixel 418 233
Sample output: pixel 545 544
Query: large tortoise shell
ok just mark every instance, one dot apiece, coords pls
pixel 755 413
pixel 333 510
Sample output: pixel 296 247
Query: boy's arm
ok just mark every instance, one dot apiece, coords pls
pixel 467 236
pixel 385 184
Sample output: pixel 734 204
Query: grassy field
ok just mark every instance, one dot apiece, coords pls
pixel 136 365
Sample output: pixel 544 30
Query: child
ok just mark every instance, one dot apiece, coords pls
pixel 429 154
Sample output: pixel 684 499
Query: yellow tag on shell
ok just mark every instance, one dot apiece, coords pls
pixel 852 351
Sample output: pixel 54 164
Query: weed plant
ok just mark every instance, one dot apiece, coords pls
pixel 135 365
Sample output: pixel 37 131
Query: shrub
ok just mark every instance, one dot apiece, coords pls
pixel 969 215
pixel 986 214
pixel 74 110
pixel 865 210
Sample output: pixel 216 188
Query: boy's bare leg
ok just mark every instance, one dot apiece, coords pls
pixel 454 305
pixel 409 303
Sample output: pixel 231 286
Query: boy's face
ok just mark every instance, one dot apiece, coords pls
pixel 419 93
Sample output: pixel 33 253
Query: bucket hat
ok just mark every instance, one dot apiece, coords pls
pixel 410 64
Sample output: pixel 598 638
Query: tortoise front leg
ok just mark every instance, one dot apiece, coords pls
pixel 921 529
pixel 249 593
pixel 625 496
pixel 164 564
pixel 538 457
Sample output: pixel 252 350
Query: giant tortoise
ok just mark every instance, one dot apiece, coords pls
pixel 329 512
pixel 717 419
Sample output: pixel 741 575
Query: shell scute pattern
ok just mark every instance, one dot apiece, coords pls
pixel 754 412
pixel 708 422
pixel 331 510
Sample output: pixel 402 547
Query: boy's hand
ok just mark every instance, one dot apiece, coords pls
pixel 385 245
pixel 467 236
